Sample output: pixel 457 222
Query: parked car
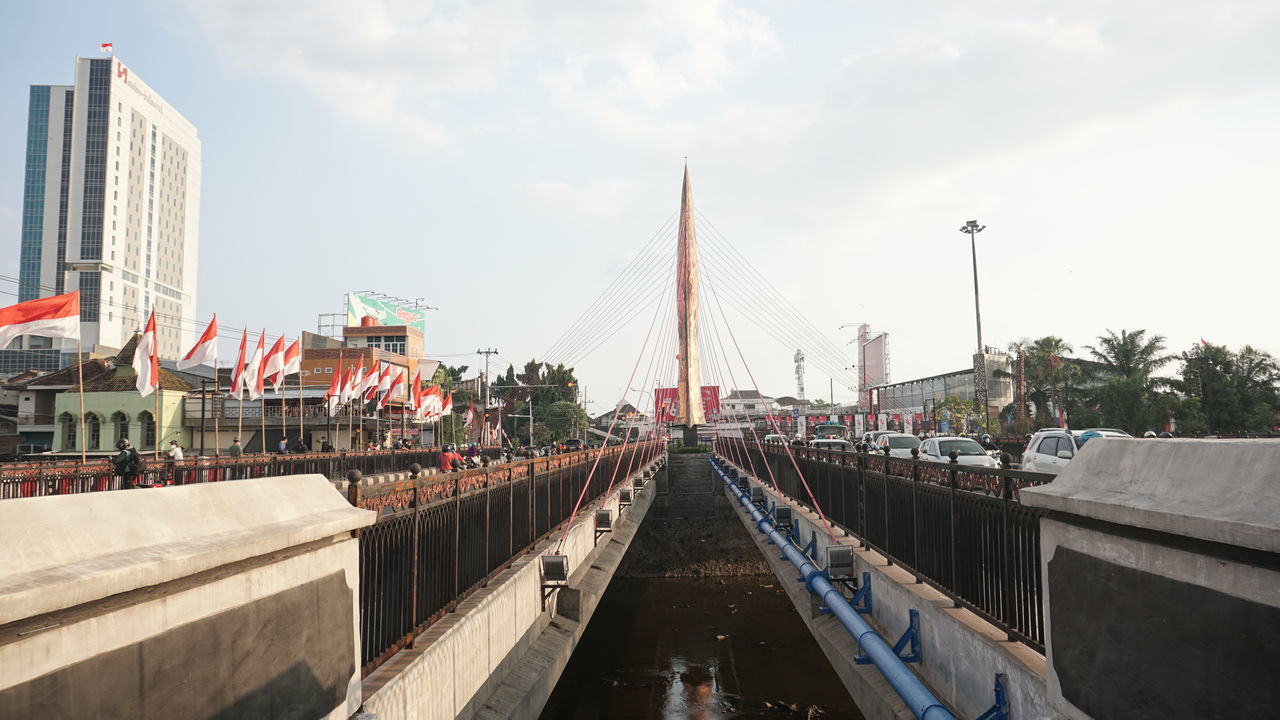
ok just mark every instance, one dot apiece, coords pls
pixel 573 444
pixel 968 452
pixel 839 445
pixel 774 438
pixel 899 444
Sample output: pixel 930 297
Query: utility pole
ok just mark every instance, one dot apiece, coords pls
pixel 487 398
pixel 972 228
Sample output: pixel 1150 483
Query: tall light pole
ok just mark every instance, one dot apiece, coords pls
pixel 972 228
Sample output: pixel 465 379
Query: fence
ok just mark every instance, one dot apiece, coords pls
pixel 439 538
pixel 961 529
pixel 32 479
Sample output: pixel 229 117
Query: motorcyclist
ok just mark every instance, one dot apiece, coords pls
pixel 989 444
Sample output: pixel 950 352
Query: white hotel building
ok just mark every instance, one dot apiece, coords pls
pixel 111 206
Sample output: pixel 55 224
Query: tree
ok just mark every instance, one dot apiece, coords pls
pixel 1052 377
pixel 564 420
pixel 546 386
pixel 955 411
pixel 1227 392
pixel 1126 387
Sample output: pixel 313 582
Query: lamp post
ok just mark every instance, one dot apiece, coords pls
pixel 972 228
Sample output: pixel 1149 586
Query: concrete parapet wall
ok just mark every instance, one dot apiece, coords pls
pixel 481 651
pixel 961 652
pixel 235 598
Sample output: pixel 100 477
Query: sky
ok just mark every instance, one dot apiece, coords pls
pixel 505 160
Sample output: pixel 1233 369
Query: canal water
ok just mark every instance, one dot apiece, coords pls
pixel 705 633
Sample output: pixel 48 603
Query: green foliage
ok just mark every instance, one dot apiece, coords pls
pixel 1228 392
pixel 564 420
pixel 961 414
pixel 552 419
pixel 1126 390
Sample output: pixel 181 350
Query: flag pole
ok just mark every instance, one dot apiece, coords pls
pixel 301 429
pixel 217 409
pixel 80 373
pixel 159 435
pixel 262 413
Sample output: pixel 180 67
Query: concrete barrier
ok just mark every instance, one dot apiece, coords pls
pixel 961 652
pixel 501 652
pixel 214 600
pixel 1161 567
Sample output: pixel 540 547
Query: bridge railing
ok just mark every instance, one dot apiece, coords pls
pixel 961 529
pixel 438 538
pixel 33 479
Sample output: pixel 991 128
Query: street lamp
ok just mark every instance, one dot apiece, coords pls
pixel 972 228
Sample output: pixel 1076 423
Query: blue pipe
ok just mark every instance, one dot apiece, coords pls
pixel 923 703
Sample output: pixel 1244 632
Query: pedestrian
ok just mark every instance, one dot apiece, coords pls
pixel 325 445
pixel 235 450
pixel 283 446
pixel 299 445
pixel 126 463
pixel 174 452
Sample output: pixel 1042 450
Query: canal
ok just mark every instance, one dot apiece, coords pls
pixel 694 625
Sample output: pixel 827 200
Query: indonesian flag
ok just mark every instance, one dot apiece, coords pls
pixel 352 381
pixel 253 375
pixel 470 417
pixel 146 359
pixel 391 388
pixel 373 382
pixel 333 396
pixel 293 358
pixel 55 317
pixel 237 375
pixel 446 406
pixel 105 47
pixel 273 364
pixel 205 350
pixel 415 391
pixel 431 404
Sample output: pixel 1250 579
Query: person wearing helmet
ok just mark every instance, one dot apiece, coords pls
pixel 988 443
pixel 1166 434
pixel 1149 434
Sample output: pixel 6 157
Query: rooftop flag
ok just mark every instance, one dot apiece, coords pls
pixel 57 316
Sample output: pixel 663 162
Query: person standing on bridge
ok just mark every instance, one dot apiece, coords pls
pixel 235 450
pixel 126 463
pixel 325 445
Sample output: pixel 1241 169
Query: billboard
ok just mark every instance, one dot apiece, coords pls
pixel 359 306
pixel 666 406
pixel 875 365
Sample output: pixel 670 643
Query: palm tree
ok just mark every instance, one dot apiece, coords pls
pixel 1127 387
pixel 1049 377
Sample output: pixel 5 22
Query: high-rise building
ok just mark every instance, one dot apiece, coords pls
pixel 111 206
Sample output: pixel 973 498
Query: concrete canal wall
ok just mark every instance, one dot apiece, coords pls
pixel 501 652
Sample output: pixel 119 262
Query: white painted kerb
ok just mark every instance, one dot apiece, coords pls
pixel 65 550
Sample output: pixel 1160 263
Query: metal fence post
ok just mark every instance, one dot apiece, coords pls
pixel 951 523
pixel 1006 566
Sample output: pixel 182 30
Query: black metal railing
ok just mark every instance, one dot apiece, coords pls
pixel 33 479
pixel 438 538
pixel 959 528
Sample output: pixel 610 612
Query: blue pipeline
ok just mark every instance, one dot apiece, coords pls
pixel 911 689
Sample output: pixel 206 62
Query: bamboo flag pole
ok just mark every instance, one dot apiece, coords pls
pixel 80 373
pixel 158 424
pixel 301 428
pixel 217 410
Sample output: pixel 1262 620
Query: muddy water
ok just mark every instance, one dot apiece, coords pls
pixel 702 648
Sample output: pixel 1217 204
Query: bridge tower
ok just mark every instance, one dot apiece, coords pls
pixel 689 385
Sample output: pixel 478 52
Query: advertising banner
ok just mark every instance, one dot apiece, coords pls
pixel 908 426
pixel 859 425
pixel 711 401
pixel 359 306
pixel 882 422
pixel 666 407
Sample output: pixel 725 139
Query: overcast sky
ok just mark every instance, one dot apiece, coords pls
pixel 505 159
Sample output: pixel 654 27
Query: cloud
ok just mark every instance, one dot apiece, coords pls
pixel 426 70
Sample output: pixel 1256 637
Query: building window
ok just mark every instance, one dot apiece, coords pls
pixel 121 423
pixel 93 431
pixel 148 422
pixel 68 422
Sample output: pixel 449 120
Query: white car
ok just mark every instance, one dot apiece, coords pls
pixel 899 444
pixel 968 452
pixel 1049 451
pixel 779 439
pixel 839 445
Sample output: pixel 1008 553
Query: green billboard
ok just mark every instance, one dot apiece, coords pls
pixel 359 306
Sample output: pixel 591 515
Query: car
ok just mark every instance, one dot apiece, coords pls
pixel 573 444
pixel 774 438
pixel 968 452
pixel 1049 451
pixel 830 444
pixel 898 444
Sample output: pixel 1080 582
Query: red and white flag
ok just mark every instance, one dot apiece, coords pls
pixel 237 375
pixel 273 364
pixel 372 382
pixel 55 317
pixel 414 400
pixel 253 375
pixel 333 396
pixel 293 358
pixel 470 417
pixel 391 388
pixel 429 409
pixel 351 384
pixel 446 406
pixel 205 350
pixel 146 359
pixel 105 47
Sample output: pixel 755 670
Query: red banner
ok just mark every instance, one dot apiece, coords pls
pixel 666 407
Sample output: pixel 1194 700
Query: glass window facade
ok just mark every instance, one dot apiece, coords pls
pixel 33 193
pixel 90 295
pixel 95 159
